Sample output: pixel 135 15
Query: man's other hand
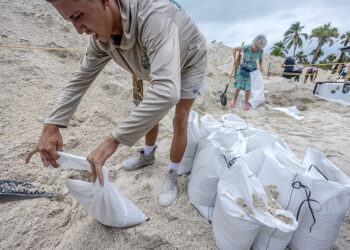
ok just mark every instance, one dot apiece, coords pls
pixel 50 141
pixel 99 156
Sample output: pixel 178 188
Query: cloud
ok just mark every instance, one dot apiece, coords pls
pixel 235 21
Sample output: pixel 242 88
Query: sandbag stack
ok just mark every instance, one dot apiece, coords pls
pixel 301 203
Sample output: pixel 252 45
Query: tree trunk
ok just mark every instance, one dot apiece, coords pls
pixel 295 47
pixel 316 52
pixel 340 58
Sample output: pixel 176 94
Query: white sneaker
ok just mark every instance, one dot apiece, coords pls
pixel 142 160
pixel 169 193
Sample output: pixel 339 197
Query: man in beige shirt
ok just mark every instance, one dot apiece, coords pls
pixel 152 39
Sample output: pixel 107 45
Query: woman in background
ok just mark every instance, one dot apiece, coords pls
pixel 251 53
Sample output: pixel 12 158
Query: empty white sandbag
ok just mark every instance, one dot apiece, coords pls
pixel 106 204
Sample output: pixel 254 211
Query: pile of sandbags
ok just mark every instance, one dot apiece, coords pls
pixel 257 193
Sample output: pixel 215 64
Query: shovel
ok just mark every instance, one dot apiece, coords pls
pixel 11 190
pixel 223 98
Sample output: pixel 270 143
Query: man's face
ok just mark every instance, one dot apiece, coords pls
pixel 93 18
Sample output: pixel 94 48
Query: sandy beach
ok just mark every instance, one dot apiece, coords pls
pixel 31 81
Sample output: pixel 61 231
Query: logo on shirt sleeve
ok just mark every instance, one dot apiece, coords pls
pixel 145 62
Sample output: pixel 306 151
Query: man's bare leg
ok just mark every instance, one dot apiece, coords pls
pixel 180 121
pixel 178 147
pixel 151 136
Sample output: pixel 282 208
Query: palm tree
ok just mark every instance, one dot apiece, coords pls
pixel 345 42
pixel 328 60
pixel 278 49
pixel 293 37
pixel 323 34
pixel 313 53
pixel 302 58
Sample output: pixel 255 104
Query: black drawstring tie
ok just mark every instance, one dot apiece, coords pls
pixel 298 185
pixel 318 170
pixel 231 162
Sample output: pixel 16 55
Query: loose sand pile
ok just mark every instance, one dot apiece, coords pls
pixel 31 81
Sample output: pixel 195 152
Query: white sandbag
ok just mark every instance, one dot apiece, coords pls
pixel 234 122
pixel 106 204
pixel 208 125
pixel 215 155
pixel 192 143
pixel 282 171
pixel 256 145
pixel 257 96
pixel 265 139
pixel 320 166
pixel 313 201
pixel 249 131
pixel 330 188
pixel 242 208
pixel 257 89
pixel 255 160
pixel 319 227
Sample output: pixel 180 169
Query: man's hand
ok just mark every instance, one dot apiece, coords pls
pixel 99 156
pixel 50 141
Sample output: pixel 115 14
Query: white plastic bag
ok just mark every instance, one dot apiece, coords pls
pixel 192 143
pixel 242 208
pixel 330 187
pixel 321 166
pixel 282 171
pixel 319 228
pixel 319 205
pixel 106 204
pixel 209 125
pixel 234 122
pixel 265 139
pixel 257 88
pixel 291 111
pixel 215 155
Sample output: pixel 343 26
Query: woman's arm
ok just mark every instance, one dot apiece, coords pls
pixel 235 50
pixel 261 64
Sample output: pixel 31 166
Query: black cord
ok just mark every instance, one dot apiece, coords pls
pixel 298 185
pixel 318 170
pixel 231 162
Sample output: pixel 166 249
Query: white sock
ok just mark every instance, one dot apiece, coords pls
pixel 148 150
pixel 173 166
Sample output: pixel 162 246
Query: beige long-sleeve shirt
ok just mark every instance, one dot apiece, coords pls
pixel 160 44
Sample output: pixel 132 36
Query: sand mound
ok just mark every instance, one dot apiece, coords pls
pixel 31 81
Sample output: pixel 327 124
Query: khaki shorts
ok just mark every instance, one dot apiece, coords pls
pixel 192 86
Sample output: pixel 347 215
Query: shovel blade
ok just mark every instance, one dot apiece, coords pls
pixel 223 99
pixel 11 190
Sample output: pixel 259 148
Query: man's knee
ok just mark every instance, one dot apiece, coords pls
pixel 180 121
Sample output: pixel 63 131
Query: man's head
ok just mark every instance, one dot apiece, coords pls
pixel 93 17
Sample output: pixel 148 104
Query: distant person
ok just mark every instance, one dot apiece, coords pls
pixel 291 69
pixel 342 73
pixel 251 53
pixel 312 72
pixel 298 71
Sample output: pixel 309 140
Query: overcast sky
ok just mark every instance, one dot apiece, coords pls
pixel 232 21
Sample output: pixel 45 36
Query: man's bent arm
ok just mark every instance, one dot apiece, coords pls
pixel 160 37
pixel 71 95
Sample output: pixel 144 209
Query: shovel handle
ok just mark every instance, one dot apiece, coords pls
pixel 235 66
